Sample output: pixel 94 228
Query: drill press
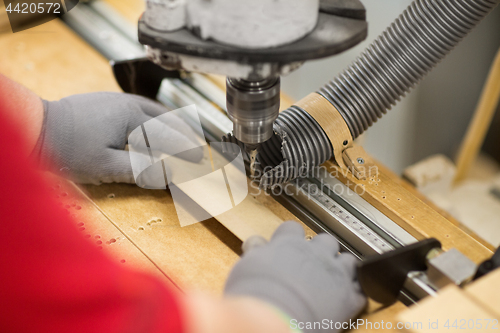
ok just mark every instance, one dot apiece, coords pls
pixel 252 61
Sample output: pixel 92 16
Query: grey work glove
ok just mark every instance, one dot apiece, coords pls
pixel 307 280
pixel 84 136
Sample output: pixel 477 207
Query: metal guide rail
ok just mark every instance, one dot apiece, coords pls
pixel 322 202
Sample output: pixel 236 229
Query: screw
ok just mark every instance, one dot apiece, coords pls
pixel 360 160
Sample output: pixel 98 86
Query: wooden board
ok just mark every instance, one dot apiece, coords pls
pixel 486 292
pixel 480 123
pixel 4 20
pixel 410 188
pixel 197 256
pixel 54 62
pixel 451 307
pixel 477 304
pixel 98 230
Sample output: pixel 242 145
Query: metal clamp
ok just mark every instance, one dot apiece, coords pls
pixel 382 276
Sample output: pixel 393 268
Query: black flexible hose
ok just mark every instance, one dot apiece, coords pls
pixel 400 57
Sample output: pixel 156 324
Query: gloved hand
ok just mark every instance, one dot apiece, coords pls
pixel 85 135
pixel 307 280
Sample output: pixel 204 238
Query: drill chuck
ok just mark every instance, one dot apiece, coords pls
pixel 253 106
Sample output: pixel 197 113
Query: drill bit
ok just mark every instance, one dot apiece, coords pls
pixel 252 150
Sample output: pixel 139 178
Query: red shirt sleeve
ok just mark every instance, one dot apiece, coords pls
pixel 54 280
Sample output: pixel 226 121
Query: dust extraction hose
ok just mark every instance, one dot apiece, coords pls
pixel 393 64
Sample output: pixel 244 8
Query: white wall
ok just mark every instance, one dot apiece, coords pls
pixel 433 117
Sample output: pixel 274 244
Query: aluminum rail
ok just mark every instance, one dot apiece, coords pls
pixel 322 202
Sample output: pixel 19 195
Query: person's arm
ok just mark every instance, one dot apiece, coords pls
pixel 24 107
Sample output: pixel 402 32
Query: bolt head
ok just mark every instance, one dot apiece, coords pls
pixel 360 160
